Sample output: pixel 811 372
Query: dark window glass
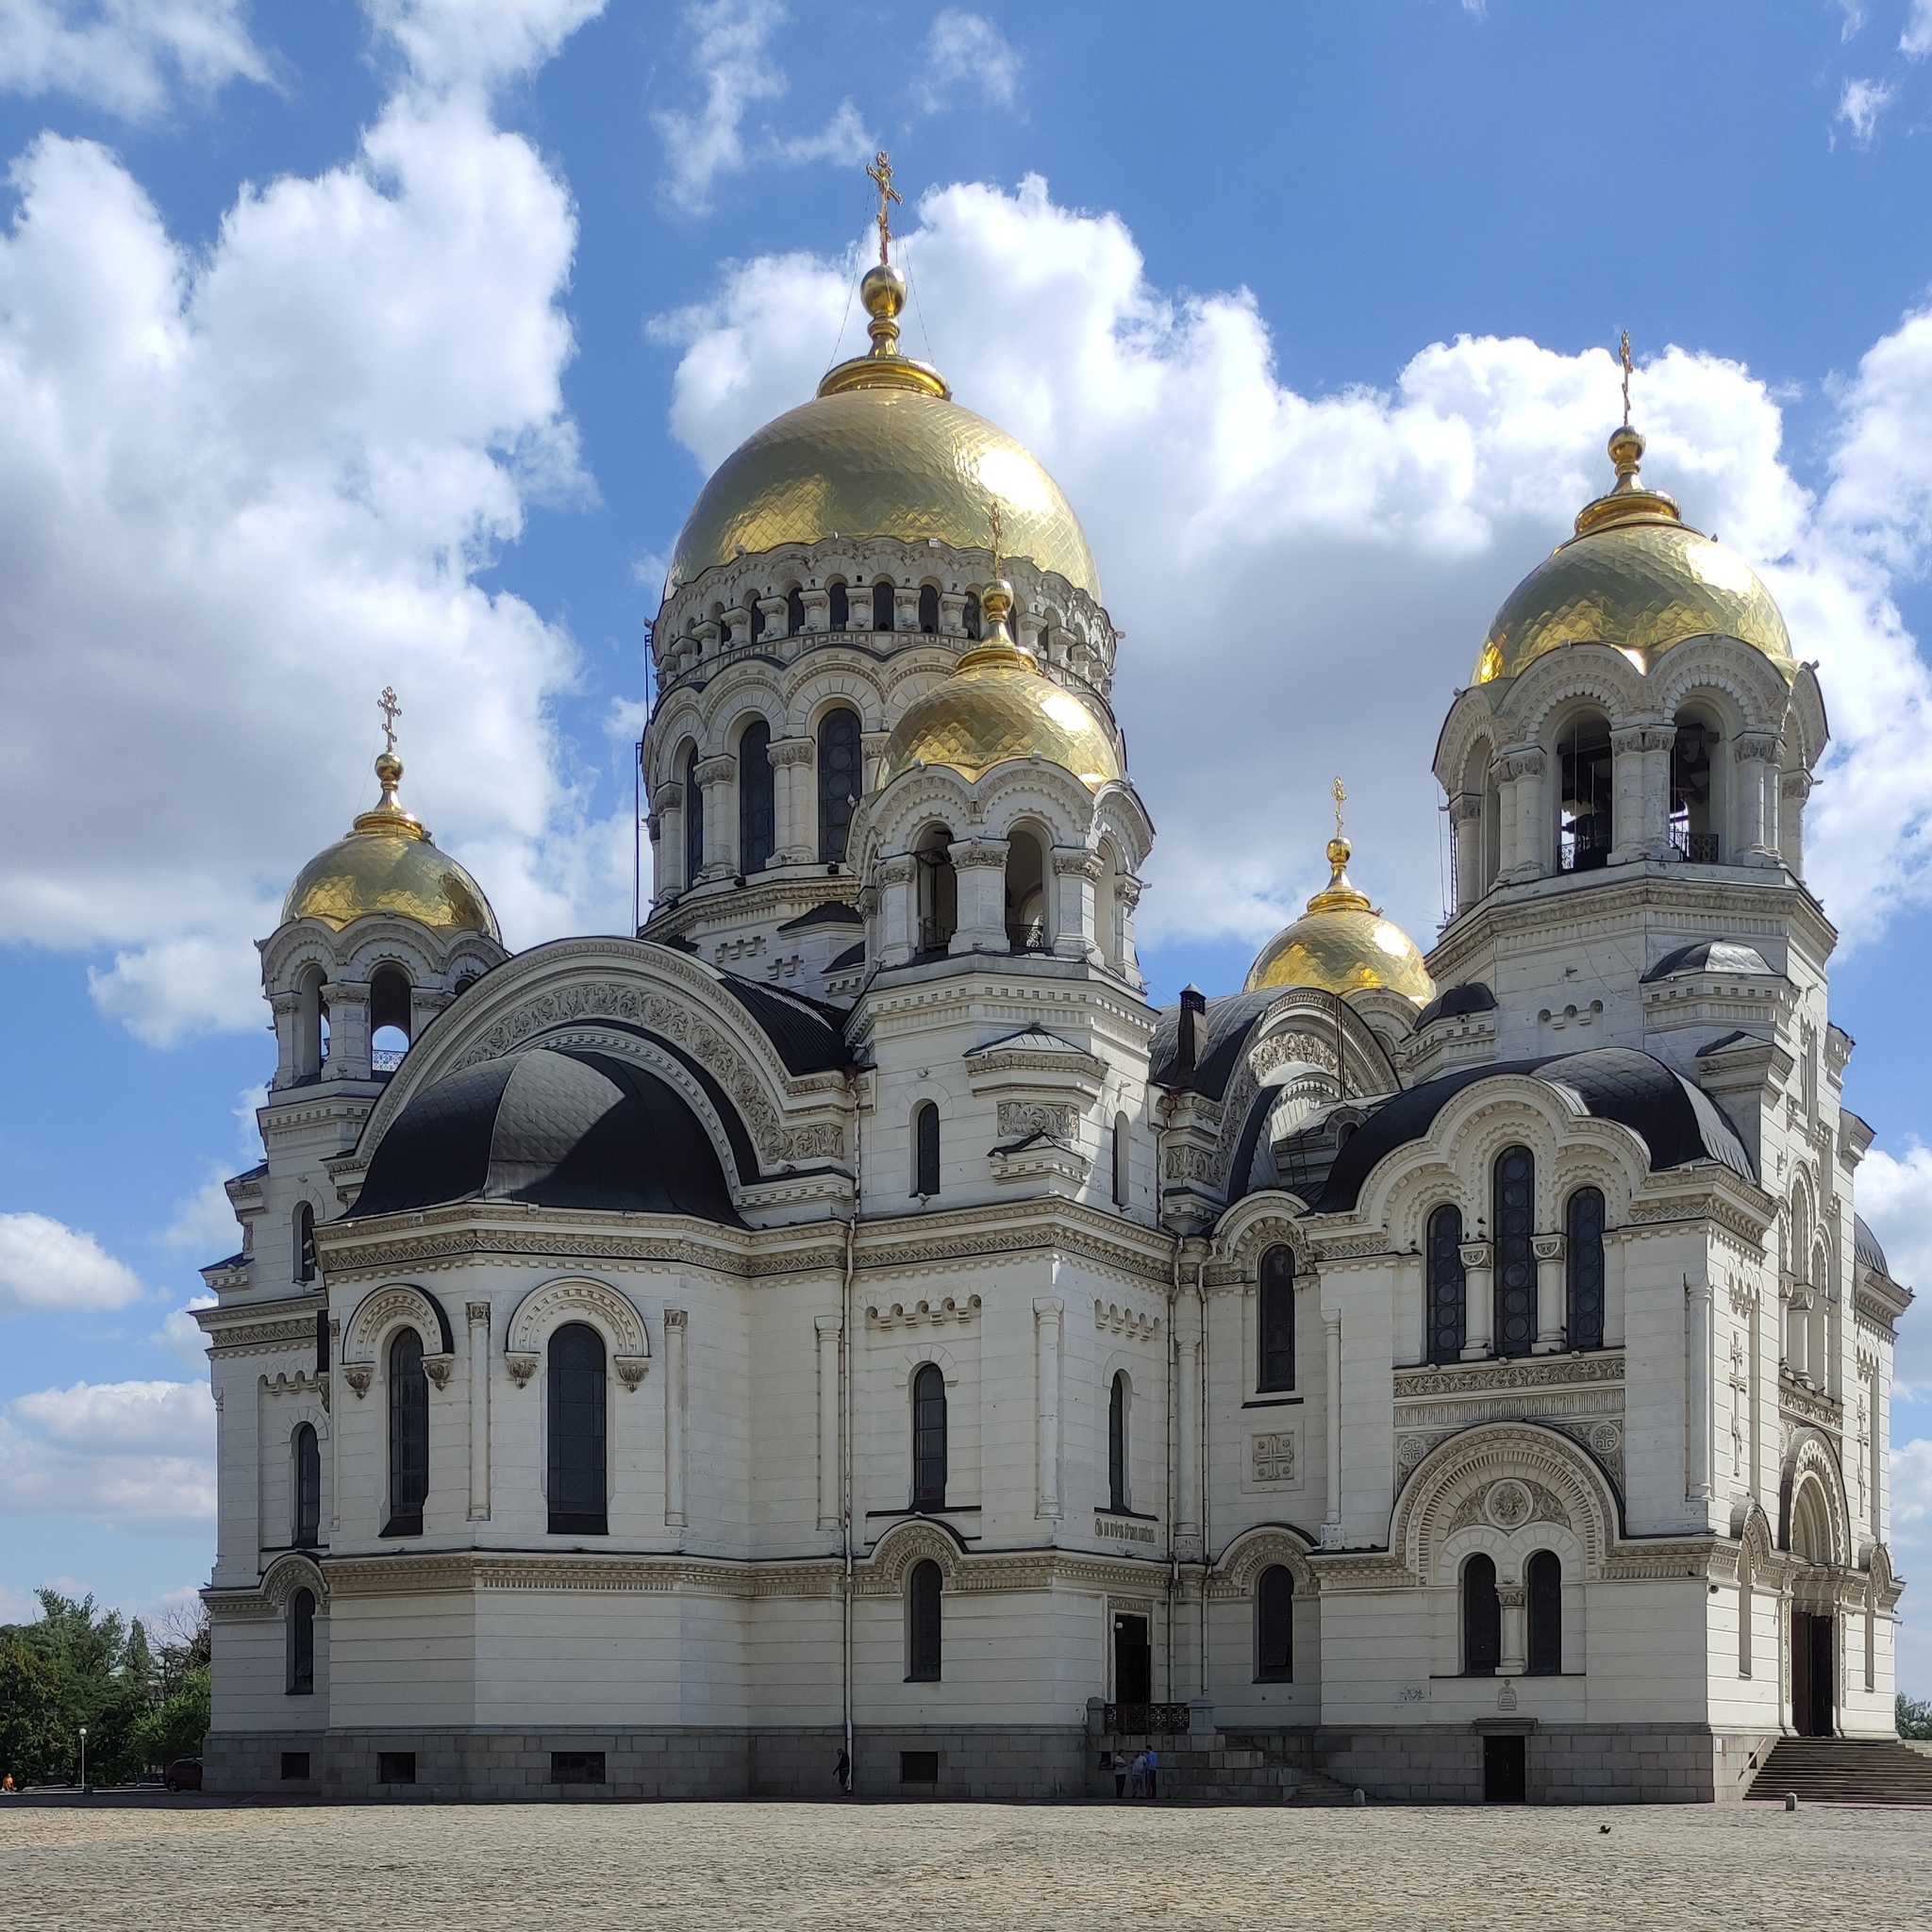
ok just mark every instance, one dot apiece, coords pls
pixel 842 607
pixel 840 781
pixel 757 800
pixel 321 1342
pixel 925 1137
pixel 929 610
pixel 1120 1147
pixel 939 892
pixel 1447 1289
pixel 929 1438
pixel 308 1487
pixel 794 612
pixel 756 620
pixel 882 606
pixel 922 1618
pixel 968 617
pixel 1276 1317
pixel 724 629
pixel 395 1767
pixel 305 1242
pixel 295 1764
pixel 576 1431
pixel 1586 1269
pixel 694 820
pixel 918 1767
pixel 576 1767
pixel 1117 1445
pixel 302 1643
pixel 409 1435
pixel 1275 1627
pixel 1482 1618
pixel 1514 1221
pixel 1544 1591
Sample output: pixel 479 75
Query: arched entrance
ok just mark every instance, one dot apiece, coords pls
pixel 1813 1667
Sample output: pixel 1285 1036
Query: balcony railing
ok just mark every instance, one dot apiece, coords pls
pixel 1145 1720
pixel 1029 938
pixel 1697 848
pixel 935 935
pixel 1585 842
pixel 386 1059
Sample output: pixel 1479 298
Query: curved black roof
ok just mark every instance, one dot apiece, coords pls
pixel 1230 1020
pixel 1711 956
pixel 560 1126
pixel 1452 1004
pixel 1677 1122
pixel 808 1035
pixel 1865 1248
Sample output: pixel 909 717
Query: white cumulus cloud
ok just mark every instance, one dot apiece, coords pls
pixel 180 1334
pixel 1894 1194
pixel 479 42
pixel 47 1265
pixel 1859 106
pixel 1916 41
pixel 968 63
pixel 129 1455
pixel 129 57
pixel 1911 1556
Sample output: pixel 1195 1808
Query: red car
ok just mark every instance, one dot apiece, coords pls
pixel 184 1774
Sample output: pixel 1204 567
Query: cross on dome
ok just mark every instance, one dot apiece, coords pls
pixel 390 711
pixel 880 171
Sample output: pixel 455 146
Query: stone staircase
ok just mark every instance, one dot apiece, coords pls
pixel 1844 1770
pixel 1235 1767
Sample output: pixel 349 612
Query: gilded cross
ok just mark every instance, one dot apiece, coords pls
pixel 881 172
pixel 1623 354
pixel 391 711
pixel 1341 799
pixel 993 516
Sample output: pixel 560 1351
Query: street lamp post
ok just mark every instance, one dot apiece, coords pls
pixel 83 1760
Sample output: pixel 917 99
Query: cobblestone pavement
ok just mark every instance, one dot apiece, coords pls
pixel 959 1868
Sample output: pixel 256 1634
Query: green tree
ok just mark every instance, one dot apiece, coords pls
pixel 36 1742
pixel 1914 1718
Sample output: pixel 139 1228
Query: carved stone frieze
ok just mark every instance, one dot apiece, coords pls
pixel 1137 1326
pixel 1019 1118
pixel 1545 1371
pixel 947 1310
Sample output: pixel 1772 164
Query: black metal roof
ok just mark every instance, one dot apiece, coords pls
pixel 1711 956
pixel 808 1035
pixel 1452 1004
pixel 826 912
pixel 852 955
pixel 1677 1122
pixel 1865 1248
pixel 1230 1020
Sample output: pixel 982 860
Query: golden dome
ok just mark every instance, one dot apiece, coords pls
pixel 387 864
pixel 999 705
pixel 1343 945
pixel 1636 577
pixel 881 451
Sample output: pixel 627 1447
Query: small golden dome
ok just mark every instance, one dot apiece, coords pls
pixel 999 705
pixel 1343 945
pixel 387 864
pixel 1634 577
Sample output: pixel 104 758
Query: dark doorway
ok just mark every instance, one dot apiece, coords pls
pixel 1814 1648
pixel 1504 1780
pixel 1133 1662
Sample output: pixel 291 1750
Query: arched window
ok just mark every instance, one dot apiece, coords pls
pixel 1482 1618
pixel 1117 1443
pixel 301 1644
pixel 923 1591
pixel 305 1241
pixel 310 1015
pixel 723 622
pixel 1275 1626
pixel 1513 1219
pixel 841 613
pixel 929 1438
pixel 841 780
pixel 389 1018
pixel 1543 1600
pixel 1275 1322
pixel 1588 825
pixel 693 819
pixel 758 803
pixel 926 1149
pixel 307 1486
pixel 794 611
pixel 882 605
pixel 928 608
pixel 409 1436
pixel 968 617
pixel 576 1384
pixel 1122 1145
pixel 755 619
pixel 1585 1270
pixel 1448 1287
pixel 939 890
pixel 1026 881
pixel 1695 813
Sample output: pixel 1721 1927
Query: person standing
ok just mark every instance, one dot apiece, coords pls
pixel 843 1770
pixel 1153 1770
pixel 1120 1774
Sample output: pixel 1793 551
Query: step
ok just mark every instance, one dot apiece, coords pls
pixel 1867 1770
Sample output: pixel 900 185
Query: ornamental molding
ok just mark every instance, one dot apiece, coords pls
pixel 400 1304
pixel 1546 1372
pixel 790 751
pixel 1810 1406
pixel 262 1338
pixel 1019 1118
pixel 1136 1326
pixel 574 1299
pixel 944 1312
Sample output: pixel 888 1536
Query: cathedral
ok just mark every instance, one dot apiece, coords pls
pixel 846 1331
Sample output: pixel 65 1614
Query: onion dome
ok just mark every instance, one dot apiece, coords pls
pixel 1343 944
pixel 881 451
pixel 387 864
pixel 999 705
pixel 1636 576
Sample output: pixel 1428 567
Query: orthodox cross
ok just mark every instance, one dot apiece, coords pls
pixel 1623 354
pixel 391 711
pixel 1341 799
pixel 881 172
pixel 993 516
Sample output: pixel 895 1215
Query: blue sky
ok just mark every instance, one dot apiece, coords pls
pixel 350 345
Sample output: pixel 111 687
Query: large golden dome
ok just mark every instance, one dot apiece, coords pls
pixel 1636 577
pixel 881 451
pixel 1343 945
pixel 999 705
pixel 387 864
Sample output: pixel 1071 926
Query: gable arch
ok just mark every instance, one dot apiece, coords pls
pixel 292 1571
pixel 918 1540
pixel 381 1313
pixel 1812 1502
pixel 579 1298
pixel 1261 1547
pixel 1580 675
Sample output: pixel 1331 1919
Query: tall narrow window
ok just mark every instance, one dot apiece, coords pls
pixel 693 819
pixel 1543 1598
pixel 1586 1269
pixel 882 605
pixel 301 1644
pixel 305 1242
pixel 939 890
pixel 1448 1290
pixel 1587 770
pixel 758 803
pixel 1482 1618
pixel 1275 1322
pixel 757 625
pixel 928 608
pixel 409 1435
pixel 929 1438
pixel 1117 1445
pixel 1121 1142
pixel 1513 1219
pixel 1275 1626
pixel 923 1591
pixel 969 616
pixel 321 1342
pixel 576 1384
pixel 840 781
pixel 840 612
pixel 794 611
pixel 307 1474
pixel 926 1150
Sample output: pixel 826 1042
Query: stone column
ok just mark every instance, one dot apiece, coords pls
pixel 1048 1321
pixel 1515 1659
pixel 716 777
pixel 287 1008
pixel 773 609
pixel 1466 818
pixel 1478 1301
pixel 953 613
pixel 1793 790
pixel 1331 1520
pixel 1523 805
pixel 797 841
pixel 1187 1507
pixel 979 865
pixel 896 881
pixel 1127 891
pixel 1757 756
pixel 425 1002
pixel 1798 1329
pixel 1697 1416
pixel 1076 913
pixel 348 1029
pixel 828 1331
pixel 1551 1314
pixel 675 1427
pixel 872 745
pixel 906 608
pixel 334 1430
pixel 1641 790
pixel 478 1314
pixel 818 609
pixel 667 839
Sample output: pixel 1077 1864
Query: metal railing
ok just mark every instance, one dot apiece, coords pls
pixel 1030 937
pixel 386 1059
pixel 1585 843
pixel 935 935
pixel 1697 848
pixel 1145 1720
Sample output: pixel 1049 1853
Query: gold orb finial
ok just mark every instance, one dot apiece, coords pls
pixel 388 815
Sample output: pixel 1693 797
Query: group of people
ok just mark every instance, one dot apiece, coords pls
pixel 1136 1775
